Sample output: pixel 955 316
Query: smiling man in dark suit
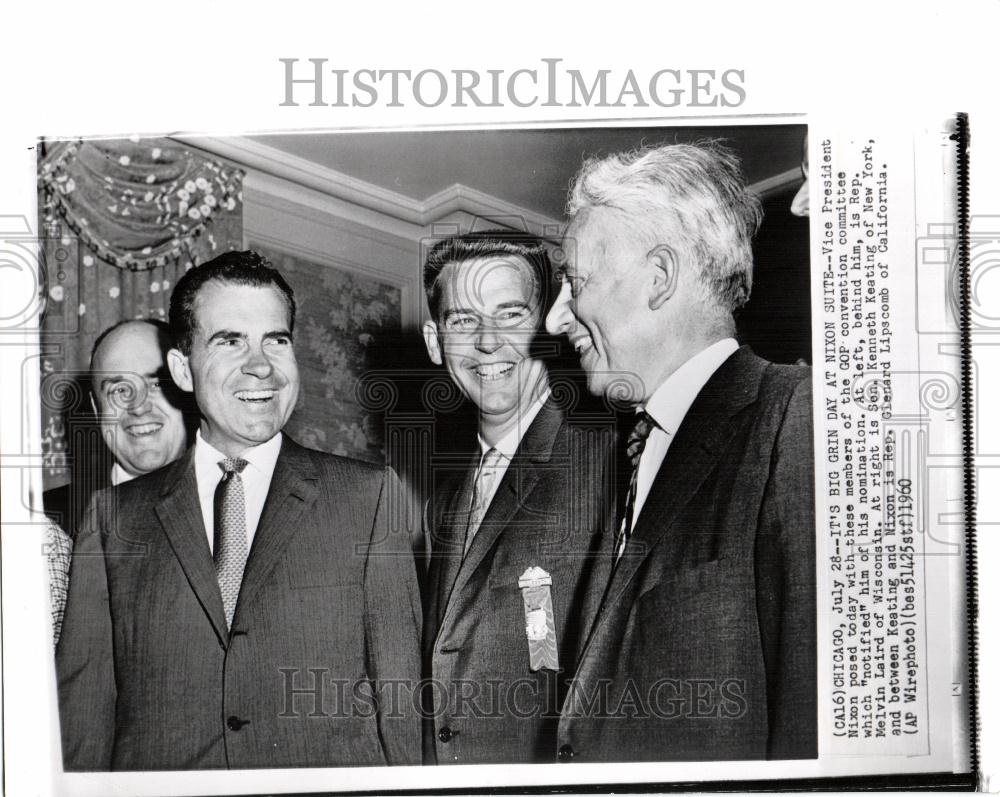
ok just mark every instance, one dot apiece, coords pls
pixel 517 532
pixel 140 411
pixel 248 605
pixel 142 421
pixel 705 645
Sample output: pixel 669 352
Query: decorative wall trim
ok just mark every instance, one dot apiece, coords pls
pixel 326 230
pixel 309 204
pixel 254 155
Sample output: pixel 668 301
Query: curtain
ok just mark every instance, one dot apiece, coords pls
pixel 121 221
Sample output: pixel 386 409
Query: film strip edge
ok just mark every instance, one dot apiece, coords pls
pixel 961 138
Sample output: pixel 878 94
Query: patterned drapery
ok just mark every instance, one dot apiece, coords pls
pixel 121 221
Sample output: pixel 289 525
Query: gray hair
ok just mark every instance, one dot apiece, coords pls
pixel 692 196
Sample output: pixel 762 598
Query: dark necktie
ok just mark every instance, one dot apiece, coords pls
pixel 644 424
pixel 230 548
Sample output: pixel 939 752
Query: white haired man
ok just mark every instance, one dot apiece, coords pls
pixel 705 644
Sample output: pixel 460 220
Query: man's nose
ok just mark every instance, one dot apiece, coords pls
pixel 560 319
pixel 140 402
pixel 487 339
pixel 257 364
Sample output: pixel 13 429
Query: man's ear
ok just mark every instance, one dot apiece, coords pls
pixel 180 370
pixel 432 342
pixel 666 273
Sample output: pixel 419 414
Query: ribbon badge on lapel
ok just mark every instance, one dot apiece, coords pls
pixel 540 624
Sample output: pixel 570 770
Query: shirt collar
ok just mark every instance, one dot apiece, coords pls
pixel 670 401
pixel 119 475
pixel 260 457
pixel 508 444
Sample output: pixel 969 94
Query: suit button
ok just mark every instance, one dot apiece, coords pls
pixel 566 753
pixel 235 723
pixel 446 734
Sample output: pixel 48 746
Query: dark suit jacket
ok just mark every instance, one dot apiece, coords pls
pixel 550 511
pixel 65 505
pixel 705 644
pixel 149 676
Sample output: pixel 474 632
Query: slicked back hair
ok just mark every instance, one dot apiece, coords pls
pixel 471 246
pixel 232 268
pixel 692 197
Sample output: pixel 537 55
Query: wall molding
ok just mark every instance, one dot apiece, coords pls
pixel 268 160
pixel 456 198
pixel 282 196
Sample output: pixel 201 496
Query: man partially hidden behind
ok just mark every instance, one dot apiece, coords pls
pixel 705 645
pixel 139 409
pixel 245 606
pixel 140 412
pixel 516 533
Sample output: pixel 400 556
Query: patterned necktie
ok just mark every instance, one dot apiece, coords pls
pixel 230 549
pixel 482 494
pixel 644 424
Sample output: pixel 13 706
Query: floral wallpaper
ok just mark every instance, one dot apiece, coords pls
pixel 346 324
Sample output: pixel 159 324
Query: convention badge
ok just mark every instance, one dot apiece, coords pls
pixel 539 619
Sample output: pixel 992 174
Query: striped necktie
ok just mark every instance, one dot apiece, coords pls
pixel 644 424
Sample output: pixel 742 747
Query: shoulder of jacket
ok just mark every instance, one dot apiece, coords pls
pixel 345 467
pixel 781 380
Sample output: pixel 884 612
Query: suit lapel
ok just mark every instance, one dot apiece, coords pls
pixel 447 540
pixel 701 439
pixel 523 473
pixel 293 491
pixel 179 511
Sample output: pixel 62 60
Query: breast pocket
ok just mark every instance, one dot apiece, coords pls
pixel 686 584
pixel 323 576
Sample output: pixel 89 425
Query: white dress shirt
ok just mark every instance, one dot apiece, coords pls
pixel 668 405
pixel 119 475
pixel 256 481
pixel 507 445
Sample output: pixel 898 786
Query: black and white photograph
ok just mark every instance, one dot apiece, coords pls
pixel 448 415
pixel 454 526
